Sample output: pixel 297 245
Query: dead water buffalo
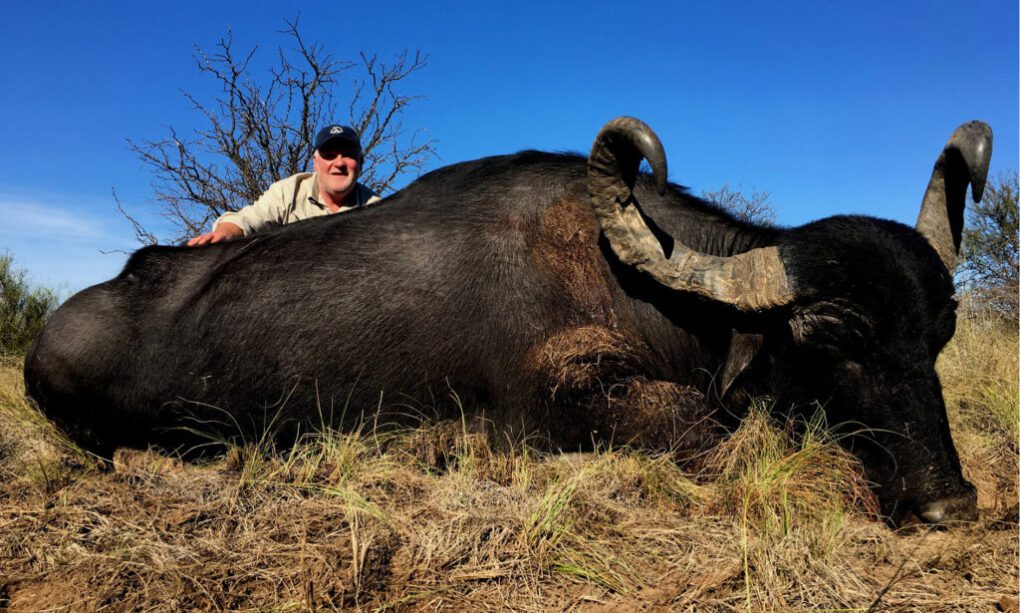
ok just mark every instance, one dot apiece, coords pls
pixel 566 299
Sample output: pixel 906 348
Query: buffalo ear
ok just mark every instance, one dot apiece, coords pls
pixel 743 349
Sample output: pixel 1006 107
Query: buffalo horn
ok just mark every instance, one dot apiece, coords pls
pixel 964 160
pixel 750 281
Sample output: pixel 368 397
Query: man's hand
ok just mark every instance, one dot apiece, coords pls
pixel 221 232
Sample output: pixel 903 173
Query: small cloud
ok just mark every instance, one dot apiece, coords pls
pixel 64 241
pixel 26 218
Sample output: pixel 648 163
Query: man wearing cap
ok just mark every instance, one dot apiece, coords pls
pixel 332 188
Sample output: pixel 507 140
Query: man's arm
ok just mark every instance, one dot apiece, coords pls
pixel 222 231
pixel 270 208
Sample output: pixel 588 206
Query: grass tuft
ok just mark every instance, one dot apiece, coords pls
pixel 788 482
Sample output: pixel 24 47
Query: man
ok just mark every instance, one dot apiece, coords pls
pixel 332 188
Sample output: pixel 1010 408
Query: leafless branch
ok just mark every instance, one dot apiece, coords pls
pixel 753 208
pixel 141 234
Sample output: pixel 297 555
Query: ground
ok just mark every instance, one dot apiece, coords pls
pixel 435 518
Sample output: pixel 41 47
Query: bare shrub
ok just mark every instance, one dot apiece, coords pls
pixel 755 207
pixel 261 127
pixel 990 257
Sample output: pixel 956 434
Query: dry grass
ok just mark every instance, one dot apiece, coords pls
pixel 981 382
pixel 434 518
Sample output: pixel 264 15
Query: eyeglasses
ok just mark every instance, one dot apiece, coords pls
pixel 331 154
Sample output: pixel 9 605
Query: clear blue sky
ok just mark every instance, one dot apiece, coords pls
pixel 833 107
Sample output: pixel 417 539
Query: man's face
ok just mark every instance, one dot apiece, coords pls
pixel 337 167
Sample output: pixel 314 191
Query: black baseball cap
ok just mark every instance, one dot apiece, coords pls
pixel 337 132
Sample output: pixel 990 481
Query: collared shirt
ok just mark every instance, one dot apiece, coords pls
pixel 292 199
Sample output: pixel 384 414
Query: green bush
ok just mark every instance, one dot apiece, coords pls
pixel 23 309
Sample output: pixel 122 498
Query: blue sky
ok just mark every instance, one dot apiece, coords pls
pixel 833 107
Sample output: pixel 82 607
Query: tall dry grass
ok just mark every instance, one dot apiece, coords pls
pixel 980 376
pixel 778 518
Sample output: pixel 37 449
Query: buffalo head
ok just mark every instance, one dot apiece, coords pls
pixel 849 312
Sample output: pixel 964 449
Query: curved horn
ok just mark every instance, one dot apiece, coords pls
pixel 750 281
pixel 964 160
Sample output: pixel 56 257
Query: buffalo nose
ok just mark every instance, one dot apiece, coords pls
pixel 962 507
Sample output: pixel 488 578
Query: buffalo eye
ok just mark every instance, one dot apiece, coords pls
pixel 835 337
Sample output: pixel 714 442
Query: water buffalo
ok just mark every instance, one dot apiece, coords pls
pixel 565 299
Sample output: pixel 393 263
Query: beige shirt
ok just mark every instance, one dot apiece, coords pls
pixel 292 199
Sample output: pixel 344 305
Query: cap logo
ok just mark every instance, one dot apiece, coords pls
pixel 336 130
